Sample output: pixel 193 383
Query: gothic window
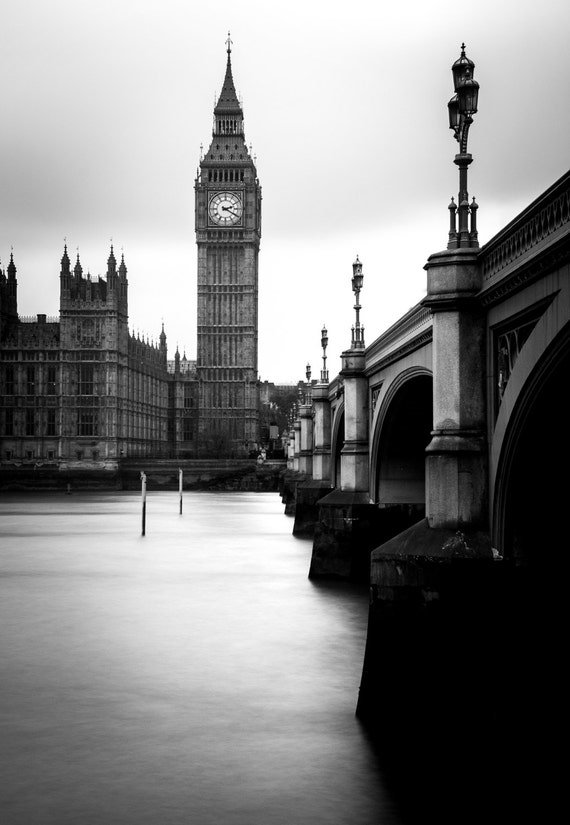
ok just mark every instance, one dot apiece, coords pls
pixel 85 382
pixel 30 422
pixel 86 422
pixel 50 384
pixel 187 428
pixel 10 383
pixel 50 423
pixel 188 396
pixel 31 381
pixel 9 422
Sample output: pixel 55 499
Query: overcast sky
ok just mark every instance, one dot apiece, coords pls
pixel 104 105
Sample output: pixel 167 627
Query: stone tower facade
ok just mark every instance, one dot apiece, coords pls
pixel 94 331
pixel 228 234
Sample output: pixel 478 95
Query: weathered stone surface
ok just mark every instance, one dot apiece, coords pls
pixel 308 495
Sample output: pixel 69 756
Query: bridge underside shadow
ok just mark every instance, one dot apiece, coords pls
pixel 349 526
pixel 461 687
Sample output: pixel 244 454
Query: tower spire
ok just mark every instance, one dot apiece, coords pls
pixel 65 262
pixel 11 269
pixel 78 269
pixel 122 266
pixel 228 103
pixel 111 262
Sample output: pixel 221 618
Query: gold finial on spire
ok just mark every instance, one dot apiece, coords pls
pixel 229 43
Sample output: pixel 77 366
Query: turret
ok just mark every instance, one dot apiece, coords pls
pixel 12 283
pixel 12 287
pixel 111 270
pixel 65 275
pixel 123 282
pixel 8 294
pixel 78 269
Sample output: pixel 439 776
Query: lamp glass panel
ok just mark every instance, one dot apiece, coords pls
pixel 468 95
pixel 453 109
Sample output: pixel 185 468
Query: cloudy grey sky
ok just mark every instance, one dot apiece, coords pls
pixel 104 106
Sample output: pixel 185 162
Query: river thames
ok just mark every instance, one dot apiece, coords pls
pixel 191 675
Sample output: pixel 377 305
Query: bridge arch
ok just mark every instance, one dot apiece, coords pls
pixel 401 432
pixel 530 523
pixel 337 443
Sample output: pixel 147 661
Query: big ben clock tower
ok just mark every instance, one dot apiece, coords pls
pixel 228 233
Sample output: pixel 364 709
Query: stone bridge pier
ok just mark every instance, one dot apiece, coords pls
pixel 315 419
pixel 346 525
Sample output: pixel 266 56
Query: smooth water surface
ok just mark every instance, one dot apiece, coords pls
pixel 193 675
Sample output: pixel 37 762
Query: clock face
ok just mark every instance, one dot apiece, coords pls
pixel 225 209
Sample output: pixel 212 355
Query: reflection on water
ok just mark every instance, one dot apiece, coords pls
pixel 193 675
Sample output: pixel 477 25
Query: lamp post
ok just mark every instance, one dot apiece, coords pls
pixel 461 108
pixel 324 343
pixel 308 392
pixel 357 280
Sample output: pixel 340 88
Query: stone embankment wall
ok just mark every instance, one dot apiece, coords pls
pixel 160 475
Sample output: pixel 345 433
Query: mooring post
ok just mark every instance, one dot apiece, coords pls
pixel 180 485
pixel 143 499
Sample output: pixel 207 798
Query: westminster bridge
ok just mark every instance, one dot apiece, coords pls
pixel 452 421
pixel 434 467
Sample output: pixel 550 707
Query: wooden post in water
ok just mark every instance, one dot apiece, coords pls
pixel 180 485
pixel 143 498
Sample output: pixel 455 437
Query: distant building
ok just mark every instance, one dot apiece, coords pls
pixel 81 387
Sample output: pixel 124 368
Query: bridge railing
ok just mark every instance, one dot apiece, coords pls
pixel 540 224
pixel 409 332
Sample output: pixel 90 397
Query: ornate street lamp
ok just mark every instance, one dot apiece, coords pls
pixel 461 108
pixel 308 393
pixel 357 280
pixel 324 343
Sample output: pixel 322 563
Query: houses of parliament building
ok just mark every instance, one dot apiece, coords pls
pixel 81 387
